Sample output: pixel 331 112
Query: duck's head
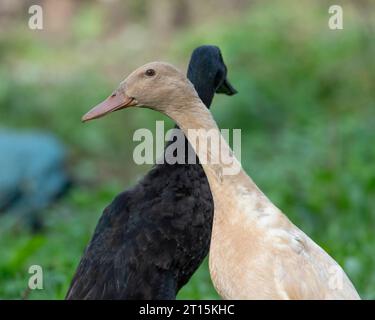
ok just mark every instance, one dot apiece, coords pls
pixel 208 73
pixel 156 85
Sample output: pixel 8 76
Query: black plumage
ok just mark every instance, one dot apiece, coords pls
pixel 152 238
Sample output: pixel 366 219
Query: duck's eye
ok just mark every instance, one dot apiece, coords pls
pixel 150 72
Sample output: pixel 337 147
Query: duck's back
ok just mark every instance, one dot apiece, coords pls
pixel 150 239
pixel 258 253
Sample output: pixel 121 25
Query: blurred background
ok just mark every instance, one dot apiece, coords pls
pixel 306 107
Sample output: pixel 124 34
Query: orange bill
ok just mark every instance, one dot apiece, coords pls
pixel 114 102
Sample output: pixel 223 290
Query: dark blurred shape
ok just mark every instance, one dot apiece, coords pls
pixel 32 174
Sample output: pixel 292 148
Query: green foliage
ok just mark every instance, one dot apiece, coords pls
pixel 305 106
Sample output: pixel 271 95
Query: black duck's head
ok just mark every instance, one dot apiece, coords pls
pixel 208 73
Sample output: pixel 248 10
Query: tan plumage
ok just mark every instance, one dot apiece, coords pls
pixel 256 252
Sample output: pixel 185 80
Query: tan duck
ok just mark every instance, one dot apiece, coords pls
pixel 256 252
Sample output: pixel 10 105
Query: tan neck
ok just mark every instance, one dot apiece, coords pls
pixel 194 115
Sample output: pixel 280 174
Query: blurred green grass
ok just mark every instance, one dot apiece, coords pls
pixel 305 106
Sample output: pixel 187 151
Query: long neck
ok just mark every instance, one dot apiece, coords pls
pixel 205 89
pixel 198 124
pixel 201 73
